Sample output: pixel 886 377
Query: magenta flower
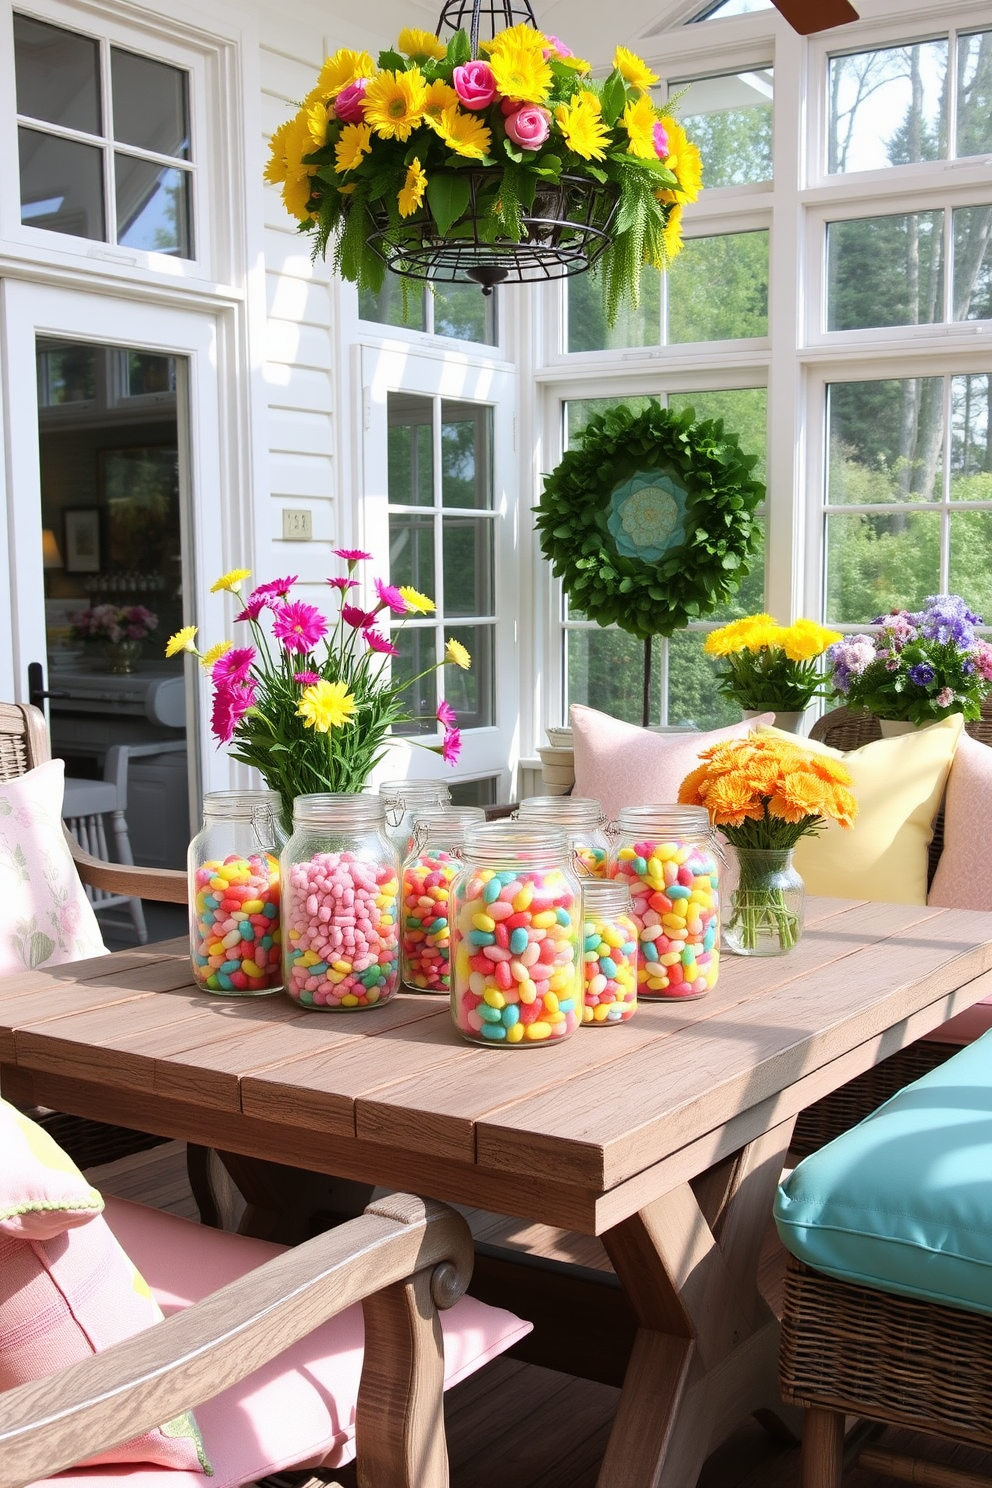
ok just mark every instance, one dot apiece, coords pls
pixel 355 616
pixel 452 746
pixel 298 627
pixel 446 714
pixel 351 555
pixel 231 669
pixel 254 605
pixel 343 584
pixel 348 104
pixel 661 146
pixel 230 706
pixel 475 85
pixel 389 596
pixel 278 587
pixel 306 679
pixel 555 48
pixel 378 642
pixel 528 126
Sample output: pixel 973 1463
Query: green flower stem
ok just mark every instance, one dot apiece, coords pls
pixel 759 910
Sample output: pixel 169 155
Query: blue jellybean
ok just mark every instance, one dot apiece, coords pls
pixel 246 930
pixel 678 891
pixel 229 966
pixel 518 940
pixel 608 966
pixel 481 937
pixel 491 891
pixel 511 1015
pixel 318 968
pixel 211 900
pixel 709 939
pixel 506 876
pixel 266 942
pixel 270 911
pixel 566 1004
pixel 224 982
pixel 201 960
pixel 562 916
pixel 489 1014
pixel 494 1031
pixel 436 926
pixel 640 866
pixel 590 943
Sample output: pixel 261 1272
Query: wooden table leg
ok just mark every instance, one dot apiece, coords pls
pixel 706 1350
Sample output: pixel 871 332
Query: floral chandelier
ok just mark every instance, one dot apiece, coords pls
pixel 493 160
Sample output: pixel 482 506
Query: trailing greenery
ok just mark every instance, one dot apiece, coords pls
pixel 706 560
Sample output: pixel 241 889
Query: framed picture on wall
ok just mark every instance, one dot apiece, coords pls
pixel 139 493
pixel 82 539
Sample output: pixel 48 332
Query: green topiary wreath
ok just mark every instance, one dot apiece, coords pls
pixel 649 523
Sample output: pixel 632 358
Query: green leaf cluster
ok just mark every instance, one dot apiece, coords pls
pixel 720 536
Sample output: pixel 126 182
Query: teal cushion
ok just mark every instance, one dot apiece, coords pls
pixel 903 1201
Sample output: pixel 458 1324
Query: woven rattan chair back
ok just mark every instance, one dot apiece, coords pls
pixel 23 740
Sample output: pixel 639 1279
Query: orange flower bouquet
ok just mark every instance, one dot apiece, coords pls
pixel 764 793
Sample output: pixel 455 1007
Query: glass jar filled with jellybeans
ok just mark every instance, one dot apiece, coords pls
pixel 516 917
pixel 609 954
pixel 340 904
pixel 668 857
pixel 585 823
pixel 425 879
pixel 402 799
pixel 234 920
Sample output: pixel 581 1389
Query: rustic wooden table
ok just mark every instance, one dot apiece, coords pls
pixel 664 1136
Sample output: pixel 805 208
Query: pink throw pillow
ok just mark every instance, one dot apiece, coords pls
pixel 963 879
pixel 619 764
pixel 47 917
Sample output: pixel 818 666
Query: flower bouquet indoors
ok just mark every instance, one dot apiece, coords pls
pixel 311 705
pixel 920 666
pixel 764 793
pixel 113 623
pixel 770 665
pixel 433 157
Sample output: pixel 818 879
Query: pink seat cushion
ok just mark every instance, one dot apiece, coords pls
pixel 300 1408
pixel 619 764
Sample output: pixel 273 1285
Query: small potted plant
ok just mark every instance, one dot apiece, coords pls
pixel 772 666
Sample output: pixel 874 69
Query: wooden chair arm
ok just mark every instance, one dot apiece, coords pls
pixel 402 1258
pixel 167 885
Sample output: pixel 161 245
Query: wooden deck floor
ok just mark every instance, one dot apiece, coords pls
pixel 532 1427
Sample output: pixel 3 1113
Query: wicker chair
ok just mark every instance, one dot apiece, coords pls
pixel 24 743
pixel 849 728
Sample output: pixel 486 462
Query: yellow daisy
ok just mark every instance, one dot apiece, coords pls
pixel 684 159
pixel 214 654
pixel 184 639
pixel 465 134
pixel 522 73
pixel 286 166
pixel 439 96
pixel 635 73
pixel 296 197
pixel 639 119
pixel 581 123
pixel 394 103
pixel 456 653
pixel 317 116
pixel 326 705
pixel 232 581
pixel 354 144
pixel 346 66
pixel 415 43
pixel 416 601
pixel 515 36
pixel 412 191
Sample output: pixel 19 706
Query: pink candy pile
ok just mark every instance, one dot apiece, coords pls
pixel 340 919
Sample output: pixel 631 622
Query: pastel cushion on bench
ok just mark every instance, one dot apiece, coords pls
pixel 903 1201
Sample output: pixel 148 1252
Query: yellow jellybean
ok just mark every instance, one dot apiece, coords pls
pixel 537 1031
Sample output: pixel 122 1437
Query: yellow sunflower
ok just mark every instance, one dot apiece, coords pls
pixel 457 654
pixel 288 145
pixel 521 72
pixel 411 195
pixel 635 72
pixel 684 159
pixel 354 144
pixel 317 116
pixel 326 705
pixel 415 43
pixel 581 123
pixel 515 36
pixel 185 640
pixel 639 119
pixel 438 97
pixel 346 66
pixel 464 133
pixel 394 103
pixel 231 581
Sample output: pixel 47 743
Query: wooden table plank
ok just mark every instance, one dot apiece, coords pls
pixel 114 964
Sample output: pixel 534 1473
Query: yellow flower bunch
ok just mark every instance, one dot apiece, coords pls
pixel 767 792
pixel 771 665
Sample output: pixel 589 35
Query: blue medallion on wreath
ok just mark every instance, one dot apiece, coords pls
pixel 646 515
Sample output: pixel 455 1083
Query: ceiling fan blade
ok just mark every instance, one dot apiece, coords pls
pixel 807 16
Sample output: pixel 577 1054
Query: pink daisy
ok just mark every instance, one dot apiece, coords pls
pixel 306 679
pixel 231 669
pixel 343 584
pixel 278 587
pixel 391 597
pixel 254 605
pixel 298 626
pixel 230 706
pixel 351 555
pixel 355 616
pixel 378 642
pixel 446 714
pixel 452 746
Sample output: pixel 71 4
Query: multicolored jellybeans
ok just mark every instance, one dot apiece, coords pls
pixel 234 925
pixel 675 907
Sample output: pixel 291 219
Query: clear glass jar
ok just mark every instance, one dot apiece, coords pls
pixel 234 919
pixel 516 917
pixel 425 879
pixel 340 904
pixel 584 821
pixel 669 859
pixel 763 913
pixel 401 799
pixel 609 954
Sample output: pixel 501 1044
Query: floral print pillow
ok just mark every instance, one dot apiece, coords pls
pixel 47 917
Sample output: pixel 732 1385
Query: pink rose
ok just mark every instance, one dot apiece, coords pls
pixel 529 127
pixel 348 104
pixel 556 48
pixel 475 85
pixel 661 145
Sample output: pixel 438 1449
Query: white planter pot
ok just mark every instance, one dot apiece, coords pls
pixel 789 722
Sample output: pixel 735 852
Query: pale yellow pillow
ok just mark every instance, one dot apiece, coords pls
pixel 898 784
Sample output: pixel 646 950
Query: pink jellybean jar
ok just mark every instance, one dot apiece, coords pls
pixel 234 909
pixel 340 904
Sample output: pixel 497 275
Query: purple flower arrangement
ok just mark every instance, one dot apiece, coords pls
pixel 110 622
pixel 918 666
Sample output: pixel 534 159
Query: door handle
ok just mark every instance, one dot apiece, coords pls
pixel 37 692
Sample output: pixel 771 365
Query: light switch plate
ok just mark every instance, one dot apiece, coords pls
pixel 297 525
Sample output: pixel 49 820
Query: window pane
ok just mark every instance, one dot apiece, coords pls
pixel 66 374
pixel 61 185
pixel 148 374
pixel 587 328
pixel 738 263
pixel 153 207
pixel 730 119
pixel 693 699
pixel 417 652
pixel 400 302
pixel 732 8
pixel 410 449
pixel 974 120
pixel 971 446
pixel 971 555
pixel 467 548
pixel 885 441
pixel 884 271
pixel 149 102
pixel 58 76
pixel 887 107
pixel 744 412
pixel 471 693
pixel 463 311
pixel 605 669
pixel 880 562
pixel 411 552
pixel 578 412
pixel 971 293
pixel 466 458
pixel 474 792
